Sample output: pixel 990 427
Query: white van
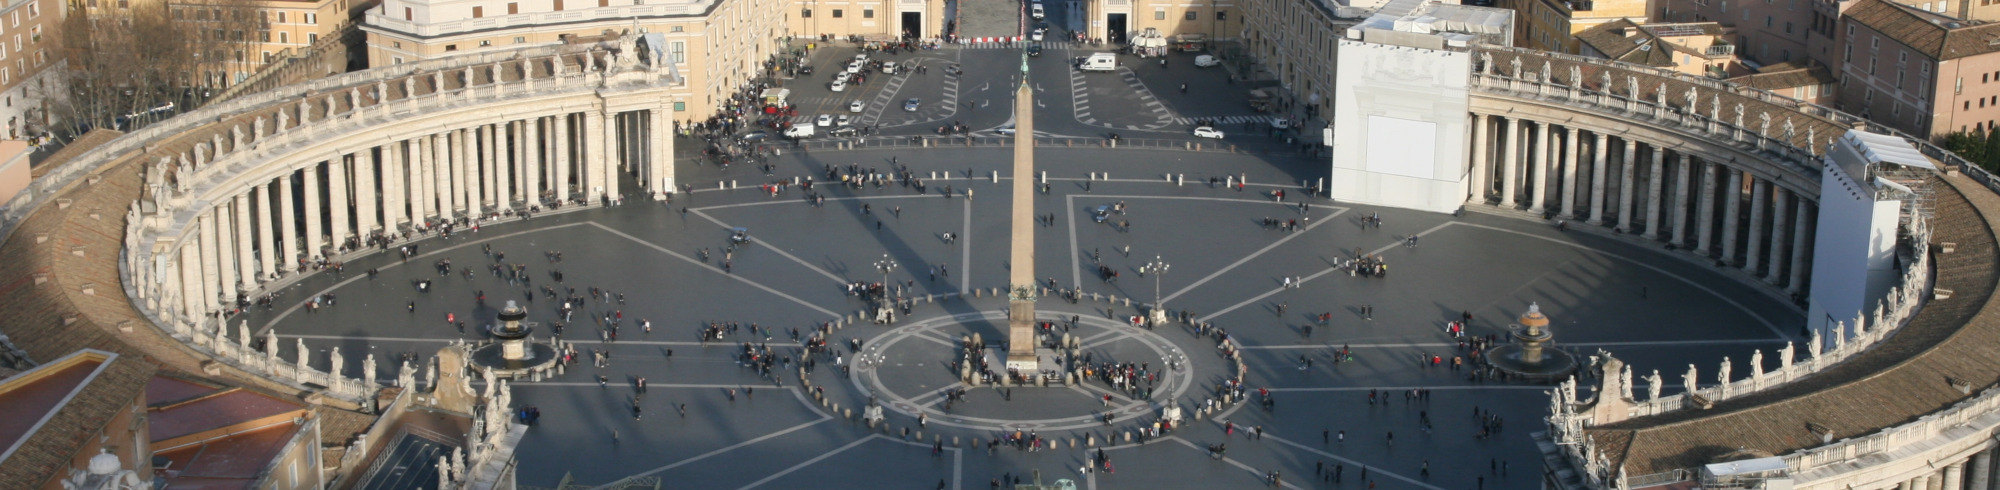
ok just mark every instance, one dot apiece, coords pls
pixel 1038 11
pixel 888 68
pixel 801 131
pixel 1099 62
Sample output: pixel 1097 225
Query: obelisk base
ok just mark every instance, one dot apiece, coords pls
pixel 1021 357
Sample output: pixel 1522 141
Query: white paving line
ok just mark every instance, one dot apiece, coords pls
pixel 1773 327
pixel 1095 344
pixel 698 263
pixel 1247 258
pixel 792 201
pixel 965 252
pixel 1307 279
pixel 301 304
pixel 1075 262
pixel 809 462
pixel 732 447
pixel 767 246
pixel 447 341
pixel 1393 389
pixel 1435 345
pixel 648 385
pixel 1253 471
pixel 1374 469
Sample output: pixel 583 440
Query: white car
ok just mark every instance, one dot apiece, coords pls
pixel 838 86
pixel 1204 132
pixel 1004 130
pixel 824 120
pixel 1038 11
pixel 861 57
pixel 1281 123
pixel 1035 36
pixel 856 106
pixel 888 67
pixel 1205 61
pixel 842 121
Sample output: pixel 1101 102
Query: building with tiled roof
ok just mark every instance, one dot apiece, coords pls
pixel 1919 71
pixel 1700 48
pixel 1808 81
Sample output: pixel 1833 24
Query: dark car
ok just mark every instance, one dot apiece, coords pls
pixel 806 70
pixel 754 136
pixel 842 132
pixel 1035 50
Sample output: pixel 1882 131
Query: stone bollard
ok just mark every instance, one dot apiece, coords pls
pixel 732 184
pixel 996 176
pixel 1045 177
pixel 847 414
pixel 978 292
pixel 933 175
pixel 954 441
pixel 720 185
pixel 1128 301
pixel 1180 179
pixel 1114 143
pixel 1187 146
pixel 1090 439
pixel 1228 181
pixel 1041 381
pixel 1128 437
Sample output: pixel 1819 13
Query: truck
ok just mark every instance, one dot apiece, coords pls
pixel 801 131
pixel 1260 100
pixel 1098 62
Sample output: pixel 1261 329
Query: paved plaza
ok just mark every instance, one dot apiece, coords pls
pixel 707 419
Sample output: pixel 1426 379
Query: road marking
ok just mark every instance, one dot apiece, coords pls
pixel 1247 258
pixel 1393 389
pixel 711 268
pixel 1436 345
pixel 732 447
pixel 1075 259
pixel 1374 469
pixel 295 307
pixel 1302 282
pixel 447 341
pixel 1260 474
pixel 810 462
pixel 965 251
pixel 781 252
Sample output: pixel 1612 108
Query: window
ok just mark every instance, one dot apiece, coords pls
pixel 478 12
pixel 680 107
pixel 836 13
pixel 409 14
pixel 267 57
pixel 603 3
pixel 674 29
pixel 513 8
pixel 1190 15
pixel 281 17
pixel 677 52
pixel 264 36
pixel 283 37
pixel 398 44
pixel 398 60
pixel 451 47
pixel 1159 15
pixel 1221 15
pixel 485 43
pixel 312 37
pixel 867 13
pixel 312 18
pixel 520 39
pixel 806 13
pixel 558 5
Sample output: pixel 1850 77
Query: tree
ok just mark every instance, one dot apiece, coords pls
pixel 127 61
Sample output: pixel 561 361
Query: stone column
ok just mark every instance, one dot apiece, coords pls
pixel 1731 216
pixel 1779 240
pixel 563 160
pixel 1569 174
pixel 451 173
pixel 1510 173
pixel 1598 170
pixel 365 194
pixel 1482 157
pixel 490 194
pixel 423 185
pixel 1982 470
pixel 288 214
pixel 1683 180
pixel 193 304
pixel 1801 233
pixel 1954 476
pixel 1921 482
pixel 312 214
pixel 1627 173
pixel 1754 256
pixel 1540 191
pixel 210 277
pixel 336 188
pixel 1705 210
pixel 468 168
pixel 659 140
pixel 534 168
pixel 517 151
pixel 603 138
pixel 393 187
pixel 225 250
pixel 1655 174
pixel 246 264
pixel 267 231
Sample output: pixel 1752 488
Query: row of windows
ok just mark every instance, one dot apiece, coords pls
pixel 1190 15
pixel 837 13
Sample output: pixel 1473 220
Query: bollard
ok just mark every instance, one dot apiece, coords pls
pixel 996 176
pixel 1114 143
pixel 795 180
pixel 933 175
pixel 1187 145
pixel 720 185
pixel 1090 439
pixel 978 292
pixel 1045 177
pixel 732 184
pixel 1128 301
pixel 927 142
pixel 954 441
pixel 1128 437
pixel 1229 181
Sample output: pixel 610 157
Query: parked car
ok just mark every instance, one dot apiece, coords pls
pixel 911 105
pixel 1034 50
pixel 754 136
pixel 1205 61
pixel 1035 36
pixel 799 132
pixel 824 120
pixel 856 106
pixel 842 120
pixel 1004 130
pixel 1207 132
pixel 842 132
pixel 838 86
pixel 806 70
pixel 888 67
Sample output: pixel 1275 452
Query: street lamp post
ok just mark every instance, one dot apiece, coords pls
pixel 1156 268
pixel 885 265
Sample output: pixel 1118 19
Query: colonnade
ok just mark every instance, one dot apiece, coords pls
pixel 1661 192
pixel 1976 471
pixel 386 189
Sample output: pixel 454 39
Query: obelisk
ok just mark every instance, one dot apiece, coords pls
pixel 1021 343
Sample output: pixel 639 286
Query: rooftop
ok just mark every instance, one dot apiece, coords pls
pixel 1933 35
pixel 29 398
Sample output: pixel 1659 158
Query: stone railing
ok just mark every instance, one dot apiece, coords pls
pixel 1969 417
pixel 392 21
pixel 326 109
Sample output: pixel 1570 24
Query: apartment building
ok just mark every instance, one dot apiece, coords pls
pixel 1298 41
pixel 871 18
pixel 1918 71
pixel 241 37
pixel 1118 20
pixel 717 45
pixel 1552 25
pixel 30 63
pixel 1767 31
pixel 1701 48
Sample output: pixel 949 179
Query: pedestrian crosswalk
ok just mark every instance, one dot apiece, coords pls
pixel 1260 119
pixel 1046 45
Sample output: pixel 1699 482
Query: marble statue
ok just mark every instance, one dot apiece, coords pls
pixel 1660 96
pixel 271 347
pixel 1604 81
pixel 1785 357
pixel 257 126
pixel 1693 100
pixel 1715 107
pixel 243 334
pixel 1625 381
pixel 1764 124
pixel 1839 335
pixel 628 51
pixel 1516 62
pixel 1757 364
pixel 1631 87
pixel 1548 72
pixel 368 372
pixel 406 377
pixel 303 354
pixel 1575 76
pixel 1722 373
pixel 1739 115
pixel 1814 345
pixel 335 362
pixel 1688 381
pixel 1653 386
pixel 1790 130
